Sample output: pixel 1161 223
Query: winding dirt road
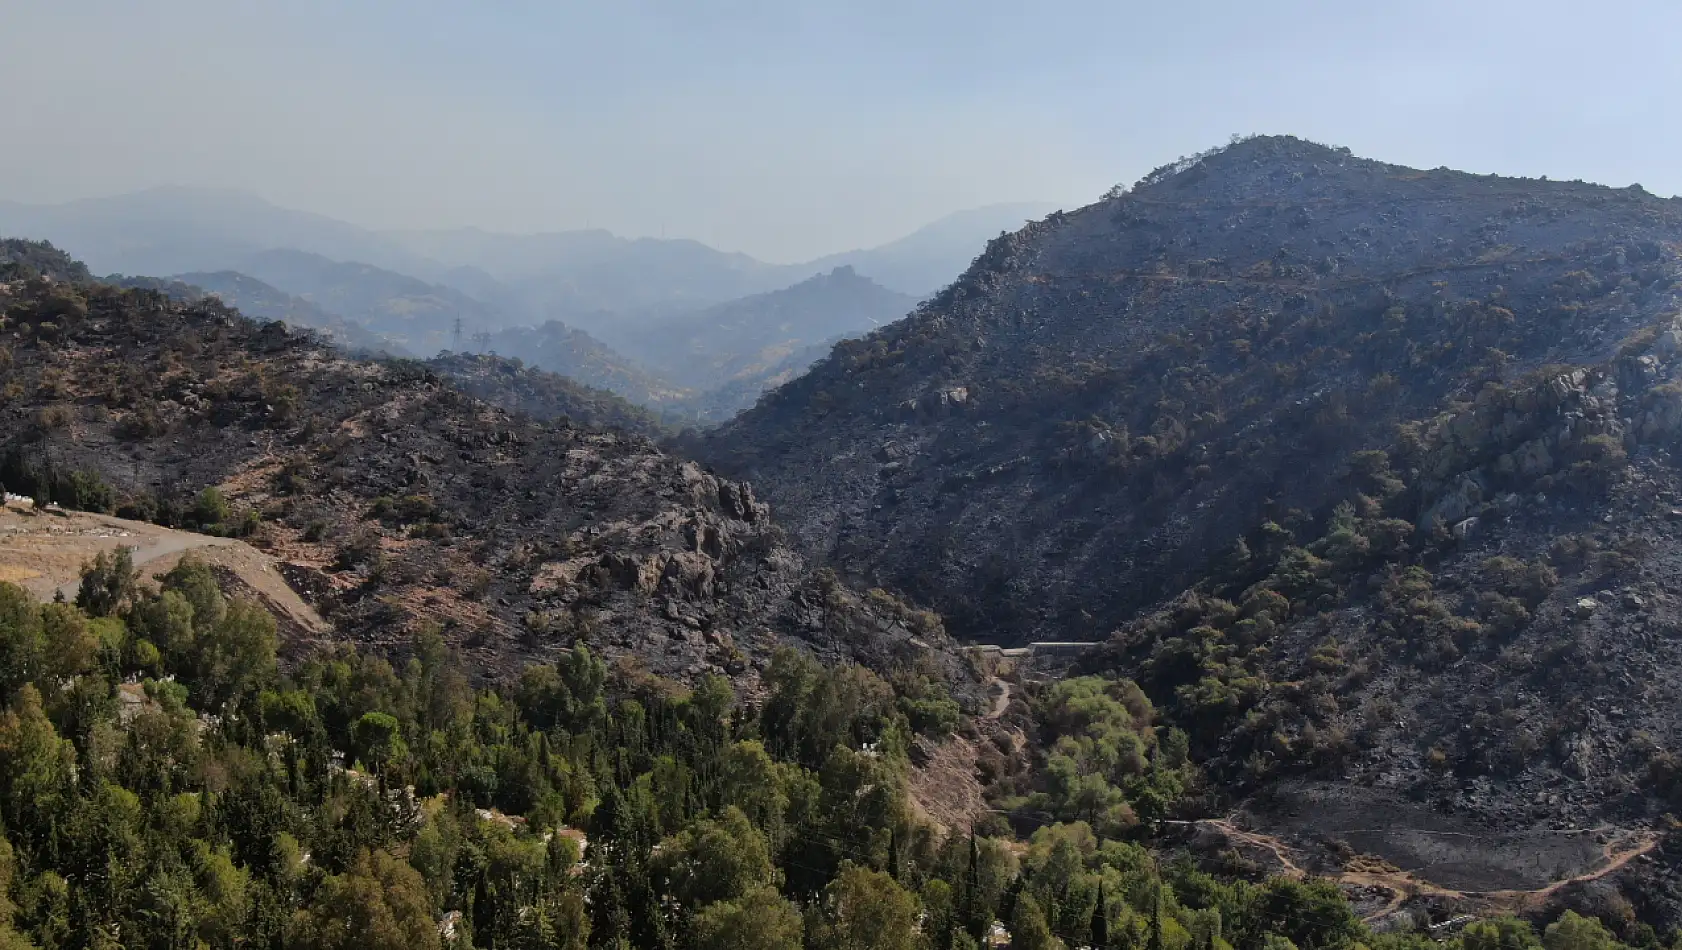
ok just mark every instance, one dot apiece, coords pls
pixel 43 551
pixel 1403 885
pixel 146 553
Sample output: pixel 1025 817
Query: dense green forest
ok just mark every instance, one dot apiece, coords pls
pixel 166 783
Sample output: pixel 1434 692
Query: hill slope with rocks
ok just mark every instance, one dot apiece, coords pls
pixel 260 301
pixel 1114 394
pixel 568 351
pixel 1364 473
pixel 392 499
pixel 510 384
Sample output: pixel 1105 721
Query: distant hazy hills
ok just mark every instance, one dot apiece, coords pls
pixel 586 277
pixel 175 230
pixel 420 316
pixel 732 352
pixel 573 353
pixel 583 276
pixel 934 255
pixel 711 328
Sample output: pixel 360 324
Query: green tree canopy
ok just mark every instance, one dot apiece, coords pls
pixel 380 903
pixel 760 919
pixel 866 910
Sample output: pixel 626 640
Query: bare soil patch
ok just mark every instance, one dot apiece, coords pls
pixel 43 551
pixel 943 782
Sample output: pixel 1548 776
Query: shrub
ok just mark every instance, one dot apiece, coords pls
pixel 210 509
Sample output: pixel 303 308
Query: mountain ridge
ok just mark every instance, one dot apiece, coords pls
pixel 262 301
pixel 941 375
pixel 395 501
pixel 175 229
pixel 730 352
pixel 1364 474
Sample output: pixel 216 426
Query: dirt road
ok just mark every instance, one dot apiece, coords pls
pixel 1619 851
pixel 147 553
pixel 43 552
pixel 1001 702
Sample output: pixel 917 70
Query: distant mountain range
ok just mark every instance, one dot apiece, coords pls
pixel 732 352
pixel 743 336
pixel 571 352
pixel 591 277
pixel 420 316
pixel 712 328
pixel 173 230
pixel 584 276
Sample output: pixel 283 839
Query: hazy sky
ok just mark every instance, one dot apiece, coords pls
pixel 790 128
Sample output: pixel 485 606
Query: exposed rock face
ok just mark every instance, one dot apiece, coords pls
pixel 394 499
pixel 1110 397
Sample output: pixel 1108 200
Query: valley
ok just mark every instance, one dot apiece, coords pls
pixel 1282 548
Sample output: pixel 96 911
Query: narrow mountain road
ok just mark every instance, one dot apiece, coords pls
pixel 1618 852
pixel 44 552
pixel 1404 885
pixel 157 548
pixel 1280 851
pixel 1001 702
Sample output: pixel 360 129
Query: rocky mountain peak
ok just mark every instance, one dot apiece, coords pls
pixel 1163 355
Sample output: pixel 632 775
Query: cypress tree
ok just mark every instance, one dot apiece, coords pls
pixel 1100 929
pixel 613 918
pixel 1007 905
pixel 482 913
pixel 972 913
pixel 1155 942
